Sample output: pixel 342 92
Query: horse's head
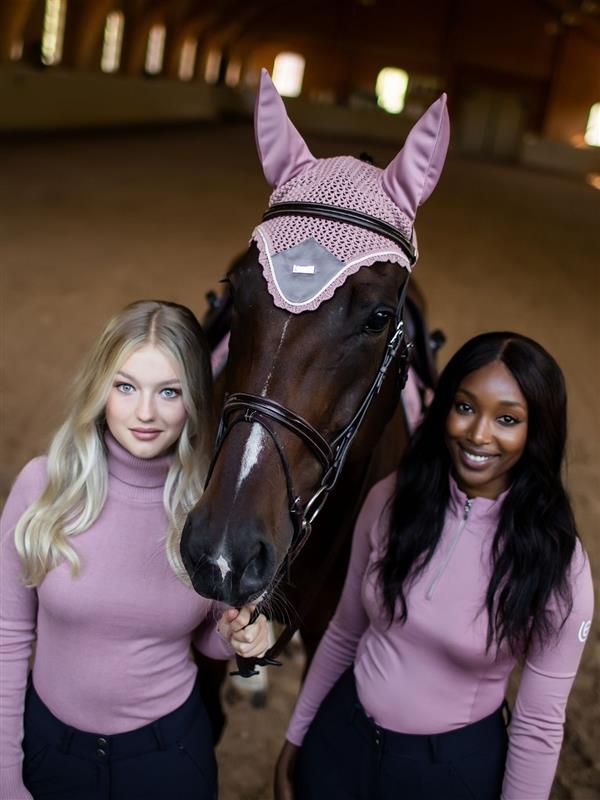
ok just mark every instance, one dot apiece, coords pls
pixel 310 332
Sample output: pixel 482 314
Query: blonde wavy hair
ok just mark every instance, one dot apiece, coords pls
pixel 77 462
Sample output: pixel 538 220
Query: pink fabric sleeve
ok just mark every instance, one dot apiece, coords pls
pixel 536 731
pixel 207 639
pixel 18 615
pixel 337 649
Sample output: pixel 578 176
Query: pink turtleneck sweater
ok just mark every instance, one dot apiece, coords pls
pixel 113 643
pixel 433 674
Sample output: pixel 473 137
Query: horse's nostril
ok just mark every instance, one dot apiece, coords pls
pixel 222 572
pixel 258 561
pixel 259 568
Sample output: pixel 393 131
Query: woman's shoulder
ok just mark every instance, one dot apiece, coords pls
pixel 378 502
pixel 579 577
pixel 32 479
pixel 382 491
pixel 27 487
pixel 580 573
pixel 560 658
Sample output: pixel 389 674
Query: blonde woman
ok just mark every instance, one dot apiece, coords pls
pixel 91 573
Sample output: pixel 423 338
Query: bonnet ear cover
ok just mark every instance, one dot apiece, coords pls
pixel 283 152
pixel 412 176
pixel 306 257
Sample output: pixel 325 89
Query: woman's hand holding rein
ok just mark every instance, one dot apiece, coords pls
pixel 249 641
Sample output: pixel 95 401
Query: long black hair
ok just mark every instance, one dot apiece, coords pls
pixel 536 535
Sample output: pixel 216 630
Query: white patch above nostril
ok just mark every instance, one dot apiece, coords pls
pixel 223 566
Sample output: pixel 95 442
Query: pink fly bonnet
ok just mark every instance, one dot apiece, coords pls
pixel 328 217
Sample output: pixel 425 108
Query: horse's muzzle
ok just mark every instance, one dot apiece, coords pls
pixel 232 578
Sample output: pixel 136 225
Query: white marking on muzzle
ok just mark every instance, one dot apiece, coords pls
pixel 223 565
pixel 254 445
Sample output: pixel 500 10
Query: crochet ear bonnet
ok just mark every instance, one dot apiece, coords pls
pixel 328 217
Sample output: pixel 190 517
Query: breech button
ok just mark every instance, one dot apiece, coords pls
pixel 100 752
pixel 101 741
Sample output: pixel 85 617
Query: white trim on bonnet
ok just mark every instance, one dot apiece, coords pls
pixel 324 288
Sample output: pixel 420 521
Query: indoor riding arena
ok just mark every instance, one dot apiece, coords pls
pixel 129 170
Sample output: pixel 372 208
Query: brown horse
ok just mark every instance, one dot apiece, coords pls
pixel 321 369
pixel 298 380
pixel 322 562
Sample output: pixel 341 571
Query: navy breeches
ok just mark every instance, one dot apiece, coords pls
pixel 345 756
pixel 170 758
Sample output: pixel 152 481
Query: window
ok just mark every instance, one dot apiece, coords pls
pixel 212 66
pixel 187 60
pixel 16 50
pixel 593 178
pixel 592 129
pixel 155 50
pixel 232 75
pixel 390 89
pixel 288 74
pixel 113 39
pixel 53 31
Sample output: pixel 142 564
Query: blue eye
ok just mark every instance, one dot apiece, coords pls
pixel 125 388
pixel 169 393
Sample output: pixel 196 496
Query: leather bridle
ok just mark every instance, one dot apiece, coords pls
pixel 242 407
pixel 348 216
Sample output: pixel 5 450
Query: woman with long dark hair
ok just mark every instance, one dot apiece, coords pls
pixel 464 562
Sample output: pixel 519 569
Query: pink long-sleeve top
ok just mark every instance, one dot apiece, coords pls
pixel 433 674
pixel 113 643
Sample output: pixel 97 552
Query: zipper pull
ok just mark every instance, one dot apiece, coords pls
pixel 468 506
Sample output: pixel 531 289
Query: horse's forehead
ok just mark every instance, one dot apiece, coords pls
pixel 379 283
pixel 304 258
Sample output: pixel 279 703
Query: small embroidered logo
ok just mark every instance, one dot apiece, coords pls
pixel 306 269
pixel 584 630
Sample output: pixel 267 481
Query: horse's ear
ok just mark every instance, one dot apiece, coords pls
pixel 281 149
pixel 413 174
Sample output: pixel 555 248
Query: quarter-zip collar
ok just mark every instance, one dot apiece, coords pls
pixel 482 512
pixel 479 514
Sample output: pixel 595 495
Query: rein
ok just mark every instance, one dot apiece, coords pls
pixel 248 408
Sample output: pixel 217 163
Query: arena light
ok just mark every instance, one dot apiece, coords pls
pixel 593 179
pixel 390 89
pixel 113 40
pixel 155 50
pixel 212 66
pixel 16 50
pixel 233 73
pixel 187 60
pixel 288 74
pixel 592 129
pixel 53 31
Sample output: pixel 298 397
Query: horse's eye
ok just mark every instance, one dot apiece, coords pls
pixel 377 321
